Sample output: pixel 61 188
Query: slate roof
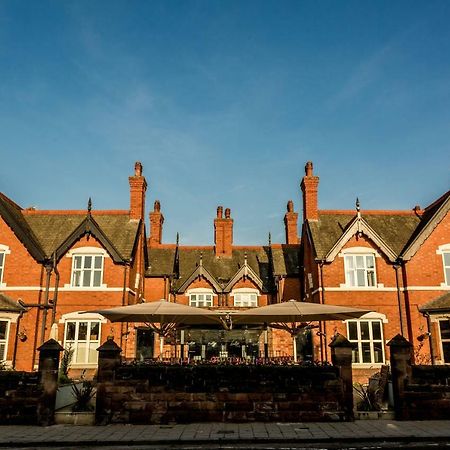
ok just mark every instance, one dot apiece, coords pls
pixel 7 304
pixel 44 232
pixel 283 262
pixel 394 229
pixel 441 303
pixel 51 230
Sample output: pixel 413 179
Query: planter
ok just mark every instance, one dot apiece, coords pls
pixel 374 415
pixel 74 418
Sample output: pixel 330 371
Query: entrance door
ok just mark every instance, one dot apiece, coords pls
pixel 144 343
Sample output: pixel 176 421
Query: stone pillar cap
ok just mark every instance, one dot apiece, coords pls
pixel 51 344
pixel 109 346
pixel 399 341
pixel 341 341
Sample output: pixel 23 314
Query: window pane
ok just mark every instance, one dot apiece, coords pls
pixel 360 273
pixel 88 262
pixel 77 262
pixel 98 262
pixel 370 278
pixel 366 358
pixel 95 328
pixel 3 328
pixel 81 353
pixel 355 356
pixel 359 261
pixel 370 261
pixel 364 327
pixel 444 326
pixel 446 348
pixel 446 259
pixel 376 331
pixel 352 331
pixel 351 278
pixel 86 278
pixel 97 278
pixel 349 261
pixel 2 255
pixel 82 331
pixel 377 352
pixel 93 354
pixel 76 279
pixel 447 275
pixel 70 331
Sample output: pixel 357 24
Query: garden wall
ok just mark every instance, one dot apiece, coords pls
pixel 158 393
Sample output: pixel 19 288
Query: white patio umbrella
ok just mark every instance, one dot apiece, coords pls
pixel 293 316
pixel 161 316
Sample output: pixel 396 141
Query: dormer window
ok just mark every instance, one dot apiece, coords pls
pixel 87 267
pixel 246 298
pixel 360 269
pixel 200 298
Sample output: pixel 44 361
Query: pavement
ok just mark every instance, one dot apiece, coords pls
pixel 220 435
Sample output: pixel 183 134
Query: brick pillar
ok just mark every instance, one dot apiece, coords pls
pixel 48 368
pixel 108 360
pixel 309 186
pixel 223 233
pixel 290 224
pixel 156 225
pixel 401 369
pixel 341 357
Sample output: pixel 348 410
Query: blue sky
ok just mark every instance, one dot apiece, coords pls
pixel 224 102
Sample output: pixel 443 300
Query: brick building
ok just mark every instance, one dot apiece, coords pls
pixel 55 264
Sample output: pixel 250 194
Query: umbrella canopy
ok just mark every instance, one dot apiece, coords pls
pixel 296 312
pixel 294 317
pixel 161 315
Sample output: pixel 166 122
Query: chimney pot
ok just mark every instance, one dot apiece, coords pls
pixel 137 169
pixel 157 206
pixel 219 212
pixel 309 169
pixel 290 206
pixel 309 186
pixel 227 213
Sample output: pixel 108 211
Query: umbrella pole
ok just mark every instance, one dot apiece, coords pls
pixel 161 345
pixel 294 342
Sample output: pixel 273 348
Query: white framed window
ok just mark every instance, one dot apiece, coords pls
pixel 446 262
pixel 201 299
pixel 87 270
pixel 367 334
pixel 82 333
pixel 4 333
pixel 247 298
pixel 83 336
pixel 4 250
pixel 360 270
pixel 444 333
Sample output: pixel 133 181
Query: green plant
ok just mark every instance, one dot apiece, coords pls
pixel 83 396
pixel 368 397
pixel 63 376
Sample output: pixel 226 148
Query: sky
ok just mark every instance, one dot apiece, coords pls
pixel 224 102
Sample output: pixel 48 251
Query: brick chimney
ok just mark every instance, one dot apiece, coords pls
pixel 309 186
pixel 290 224
pixel 138 186
pixel 156 225
pixel 223 233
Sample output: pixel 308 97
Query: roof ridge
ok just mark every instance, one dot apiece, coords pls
pixel 73 212
pixel 381 212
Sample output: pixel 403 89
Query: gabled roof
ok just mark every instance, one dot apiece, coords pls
pixel 45 232
pixel 162 261
pixel 200 272
pixel 394 229
pixel 432 215
pixel 12 215
pixel 244 272
pixel 437 305
pixel 7 304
